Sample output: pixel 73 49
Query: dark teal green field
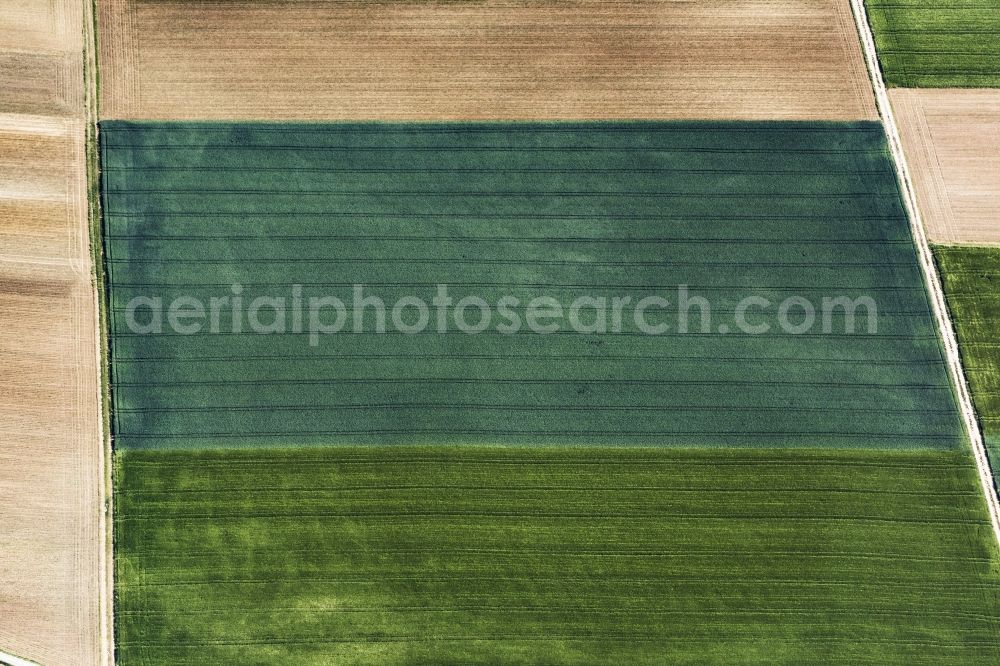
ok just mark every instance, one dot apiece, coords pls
pixel 935 44
pixel 388 555
pixel 727 210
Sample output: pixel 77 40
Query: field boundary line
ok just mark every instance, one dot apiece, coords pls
pixel 91 103
pixel 926 258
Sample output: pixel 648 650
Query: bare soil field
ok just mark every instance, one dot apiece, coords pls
pixel 41 57
pixel 52 533
pixel 952 142
pixel 41 207
pixel 49 454
pixel 41 25
pixel 514 59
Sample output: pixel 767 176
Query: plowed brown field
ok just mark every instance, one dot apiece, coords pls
pixel 952 142
pixel 51 454
pixel 527 59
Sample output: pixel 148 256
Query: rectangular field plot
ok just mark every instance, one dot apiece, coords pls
pixel 952 143
pixel 936 44
pixel 726 211
pixel 488 60
pixel 585 556
pixel 971 276
pixel 52 531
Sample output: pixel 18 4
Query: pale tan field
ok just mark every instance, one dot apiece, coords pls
pixel 41 204
pixel 52 536
pixel 513 59
pixel 952 142
pixel 41 57
pixel 50 484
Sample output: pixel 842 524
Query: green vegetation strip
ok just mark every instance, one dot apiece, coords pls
pixel 730 210
pixel 935 44
pixel 513 555
pixel 971 278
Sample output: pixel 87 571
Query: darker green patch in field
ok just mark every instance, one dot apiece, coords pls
pixel 728 210
pixel 493 555
pixel 934 44
pixel 972 286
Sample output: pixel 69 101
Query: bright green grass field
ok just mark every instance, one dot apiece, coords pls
pixel 586 556
pixel 937 44
pixel 972 286
pixel 633 210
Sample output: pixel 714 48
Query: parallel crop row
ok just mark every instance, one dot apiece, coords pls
pixel 710 212
pixel 934 44
pixel 970 277
pixel 544 556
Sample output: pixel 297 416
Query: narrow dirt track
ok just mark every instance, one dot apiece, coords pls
pixel 952 142
pixel 926 259
pixel 51 452
pixel 500 59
